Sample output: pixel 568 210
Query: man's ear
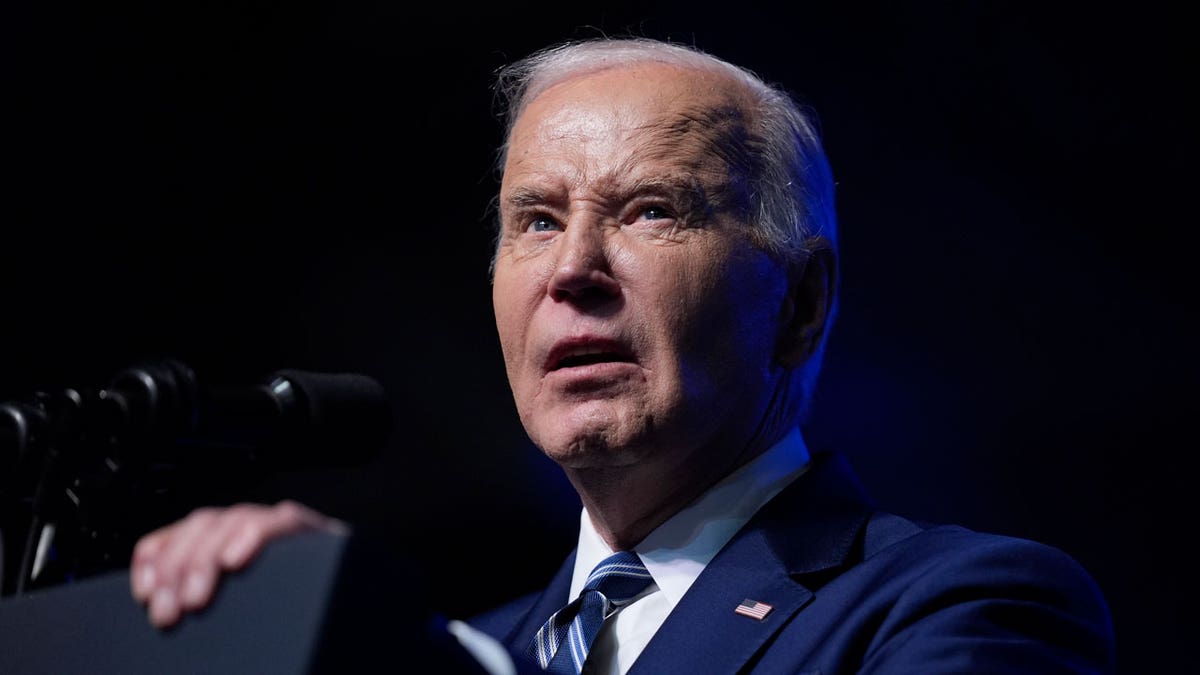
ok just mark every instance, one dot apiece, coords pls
pixel 808 307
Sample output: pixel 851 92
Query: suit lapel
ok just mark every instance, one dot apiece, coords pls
pixel 808 529
pixel 703 634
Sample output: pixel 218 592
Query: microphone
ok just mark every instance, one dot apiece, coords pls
pixel 86 468
pixel 289 419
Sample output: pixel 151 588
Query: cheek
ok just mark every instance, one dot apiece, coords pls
pixel 507 303
pixel 518 289
pixel 690 293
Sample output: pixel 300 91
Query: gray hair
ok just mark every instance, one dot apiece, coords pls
pixel 791 190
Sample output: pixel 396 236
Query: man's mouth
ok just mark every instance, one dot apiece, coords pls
pixel 587 352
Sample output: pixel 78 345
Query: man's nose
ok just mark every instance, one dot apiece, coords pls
pixel 583 271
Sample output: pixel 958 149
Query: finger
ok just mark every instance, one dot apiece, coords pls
pixel 147 557
pixel 185 568
pixel 160 578
pixel 176 569
pixel 200 572
pixel 178 572
pixel 238 536
pixel 286 517
pixel 186 543
pixel 141 566
pixel 164 608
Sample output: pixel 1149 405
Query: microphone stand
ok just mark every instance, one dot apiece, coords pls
pixel 83 485
pixel 46 431
pixel 84 472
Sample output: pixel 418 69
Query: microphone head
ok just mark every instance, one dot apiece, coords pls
pixel 290 419
pixel 337 419
pixel 150 401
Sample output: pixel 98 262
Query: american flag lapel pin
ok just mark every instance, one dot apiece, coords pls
pixel 753 609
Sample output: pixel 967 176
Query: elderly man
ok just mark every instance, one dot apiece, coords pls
pixel 664 281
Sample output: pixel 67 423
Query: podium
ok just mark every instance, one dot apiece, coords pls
pixel 310 604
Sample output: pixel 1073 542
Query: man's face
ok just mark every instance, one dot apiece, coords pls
pixel 635 318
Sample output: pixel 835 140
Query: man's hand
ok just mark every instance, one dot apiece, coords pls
pixel 175 569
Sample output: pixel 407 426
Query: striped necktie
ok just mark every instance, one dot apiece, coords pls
pixel 562 643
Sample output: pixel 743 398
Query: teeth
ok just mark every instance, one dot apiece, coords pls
pixel 584 351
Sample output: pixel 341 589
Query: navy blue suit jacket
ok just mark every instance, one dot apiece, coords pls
pixel 857 590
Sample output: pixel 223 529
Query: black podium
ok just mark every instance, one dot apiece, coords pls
pixel 312 603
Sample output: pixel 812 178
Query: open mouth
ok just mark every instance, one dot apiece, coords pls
pixel 577 354
pixel 577 360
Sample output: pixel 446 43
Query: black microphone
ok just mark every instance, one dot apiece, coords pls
pixel 289 419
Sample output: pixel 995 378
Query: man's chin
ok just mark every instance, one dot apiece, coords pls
pixel 594 449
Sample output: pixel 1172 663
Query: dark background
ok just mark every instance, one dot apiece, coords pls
pixel 254 186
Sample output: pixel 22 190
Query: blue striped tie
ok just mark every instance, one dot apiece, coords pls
pixel 618 579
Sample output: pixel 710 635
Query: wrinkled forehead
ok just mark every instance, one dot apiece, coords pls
pixel 668 117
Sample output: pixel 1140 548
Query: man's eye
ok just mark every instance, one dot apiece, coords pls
pixel 543 225
pixel 655 213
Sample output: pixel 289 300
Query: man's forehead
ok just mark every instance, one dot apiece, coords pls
pixel 623 78
pixel 659 160
pixel 674 149
pixel 630 100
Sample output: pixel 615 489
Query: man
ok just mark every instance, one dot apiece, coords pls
pixel 664 280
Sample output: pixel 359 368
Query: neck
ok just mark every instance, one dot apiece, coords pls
pixel 624 506
pixel 627 503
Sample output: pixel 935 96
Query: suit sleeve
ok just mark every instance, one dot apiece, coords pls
pixel 1006 606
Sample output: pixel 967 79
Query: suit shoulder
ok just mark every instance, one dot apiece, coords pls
pixel 943 554
pixel 954 582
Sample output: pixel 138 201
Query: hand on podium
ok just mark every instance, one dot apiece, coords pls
pixel 177 568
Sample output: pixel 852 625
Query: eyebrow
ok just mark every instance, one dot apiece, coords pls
pixel 667 184
pixel 688 188
pixel 688 192
pixel 527 196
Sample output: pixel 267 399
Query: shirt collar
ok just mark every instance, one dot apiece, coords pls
pixel 677 551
